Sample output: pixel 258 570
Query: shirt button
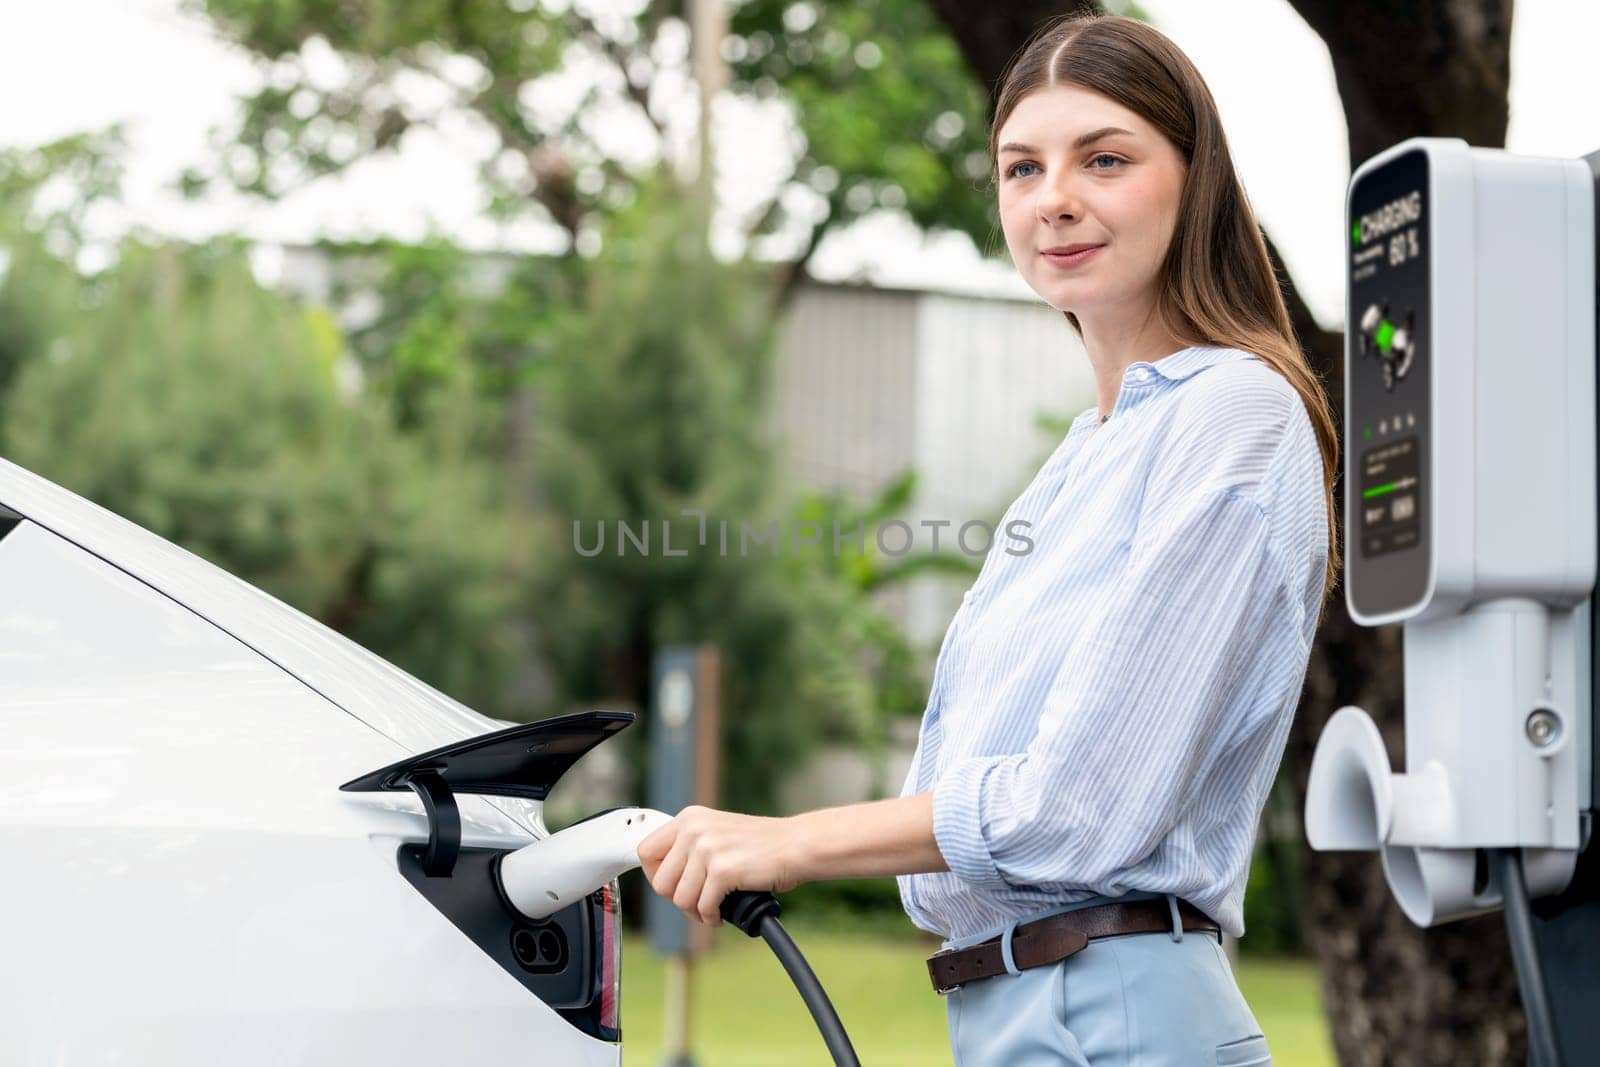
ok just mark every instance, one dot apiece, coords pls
pixel 1140 374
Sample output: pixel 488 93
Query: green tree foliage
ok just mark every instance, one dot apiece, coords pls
pixel 890 115
pixel 175 390
pixel 440 317
pixel 45 195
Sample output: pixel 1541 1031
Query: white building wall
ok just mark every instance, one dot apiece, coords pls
pixel 843 387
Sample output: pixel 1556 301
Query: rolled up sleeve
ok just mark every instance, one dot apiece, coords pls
pixel 1165 669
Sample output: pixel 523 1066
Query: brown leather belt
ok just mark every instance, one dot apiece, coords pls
pixel 1059 936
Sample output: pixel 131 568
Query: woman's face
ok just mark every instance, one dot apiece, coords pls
pixel 1058 187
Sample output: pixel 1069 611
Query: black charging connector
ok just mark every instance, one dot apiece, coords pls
pixel 745 909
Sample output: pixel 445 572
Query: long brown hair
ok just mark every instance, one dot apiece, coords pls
pixel 1218 288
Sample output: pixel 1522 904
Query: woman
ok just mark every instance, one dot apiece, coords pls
pixel 1109 708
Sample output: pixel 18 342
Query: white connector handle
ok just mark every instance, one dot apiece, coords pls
pixel 542 878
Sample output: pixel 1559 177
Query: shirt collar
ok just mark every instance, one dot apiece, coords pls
pixel 1182 364
pixel 1176 368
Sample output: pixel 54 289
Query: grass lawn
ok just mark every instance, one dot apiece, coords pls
pixel 746 1013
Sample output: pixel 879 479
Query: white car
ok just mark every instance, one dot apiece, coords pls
pixel 184 882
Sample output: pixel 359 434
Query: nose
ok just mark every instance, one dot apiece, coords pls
pixel 1057 200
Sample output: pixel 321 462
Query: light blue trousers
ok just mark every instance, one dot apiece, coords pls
pixel 1132 999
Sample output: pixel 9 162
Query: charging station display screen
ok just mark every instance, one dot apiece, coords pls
pixel 1388 553
pixel 1389 485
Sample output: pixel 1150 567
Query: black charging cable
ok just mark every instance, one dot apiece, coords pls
pixel 756 913
pixel 1542 1046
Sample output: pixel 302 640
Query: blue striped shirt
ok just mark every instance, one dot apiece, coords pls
pixel 1110 705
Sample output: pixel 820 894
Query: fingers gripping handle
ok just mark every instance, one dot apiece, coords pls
pixel 542 878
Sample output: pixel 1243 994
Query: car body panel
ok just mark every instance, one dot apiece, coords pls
pixel 185 883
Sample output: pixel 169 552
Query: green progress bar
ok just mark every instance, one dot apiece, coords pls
pixel 1377 490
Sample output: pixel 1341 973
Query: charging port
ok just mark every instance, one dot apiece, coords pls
pixel 539 948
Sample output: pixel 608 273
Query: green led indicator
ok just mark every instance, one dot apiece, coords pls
pixel 1367 433
pixel 1384 336
pixel 1377 490
pixel 1355 234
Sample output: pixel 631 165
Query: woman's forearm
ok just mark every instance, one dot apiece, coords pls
pixel 870 840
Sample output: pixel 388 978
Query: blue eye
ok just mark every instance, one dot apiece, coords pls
pixel 1012 171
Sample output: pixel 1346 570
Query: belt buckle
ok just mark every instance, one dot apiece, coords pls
pixel 1077 941
pixel 942 990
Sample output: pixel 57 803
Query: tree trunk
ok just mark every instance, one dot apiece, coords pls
pixel 1394 994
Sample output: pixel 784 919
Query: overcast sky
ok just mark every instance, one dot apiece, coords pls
pixel 70 65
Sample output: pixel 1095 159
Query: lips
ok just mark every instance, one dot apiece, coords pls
pixel 1070 255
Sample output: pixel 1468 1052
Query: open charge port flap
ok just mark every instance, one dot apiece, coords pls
pixel 556 959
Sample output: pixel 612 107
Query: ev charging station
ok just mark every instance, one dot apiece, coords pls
pixel 1471 518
